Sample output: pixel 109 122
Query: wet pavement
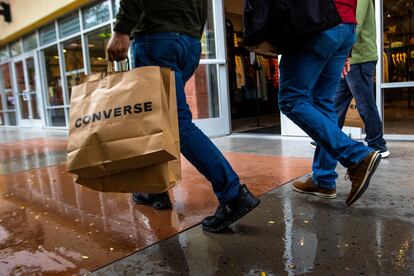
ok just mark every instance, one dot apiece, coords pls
pixel 296 234
pixel 49 225
pixel 30 154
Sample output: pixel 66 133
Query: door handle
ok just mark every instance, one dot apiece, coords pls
pixel 26 95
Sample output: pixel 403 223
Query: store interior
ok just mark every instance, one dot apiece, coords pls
pixel 253 80
pixel 398 63
pixel 253 87
pixel 72 50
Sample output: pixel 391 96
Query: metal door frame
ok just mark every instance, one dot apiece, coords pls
pixel 34 91
pixel 219 126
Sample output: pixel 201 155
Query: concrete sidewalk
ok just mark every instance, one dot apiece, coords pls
pixel 295 234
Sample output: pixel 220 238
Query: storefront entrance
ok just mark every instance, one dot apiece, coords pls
pixel 226 94
pixel 395 74
pixel 27 91
pixel 253 80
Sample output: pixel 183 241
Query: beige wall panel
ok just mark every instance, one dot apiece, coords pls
pixel 27 15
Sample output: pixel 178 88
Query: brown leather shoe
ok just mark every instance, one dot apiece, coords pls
pixel 309 187
pixel 361 174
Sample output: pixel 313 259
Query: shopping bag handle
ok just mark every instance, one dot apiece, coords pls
pixel 109 67
pixel 127 65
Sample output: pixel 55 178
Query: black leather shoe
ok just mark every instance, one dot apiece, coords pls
pixel 157 201
pixel 232 211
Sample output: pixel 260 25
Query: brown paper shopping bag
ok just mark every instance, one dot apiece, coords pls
pixel 353 119
pixel 123 122
pixel 153 179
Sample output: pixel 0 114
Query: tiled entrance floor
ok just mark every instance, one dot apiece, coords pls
pixel 49 224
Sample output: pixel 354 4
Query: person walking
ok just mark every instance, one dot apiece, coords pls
pixel 359 82
pixel 308 81
pixel 167 33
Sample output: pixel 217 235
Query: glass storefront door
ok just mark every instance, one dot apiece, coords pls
pixel 28 92
pixel 207 91
pixel 7 99
pixel 395 75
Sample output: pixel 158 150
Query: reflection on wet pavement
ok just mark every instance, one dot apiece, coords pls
pixel 12 151
pixel 49 224
pixel 284 236
pixel 296 234
pixel 30 154
pixel 11 135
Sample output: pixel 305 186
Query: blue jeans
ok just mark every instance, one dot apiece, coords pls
pixel 359 83
pixel 182 53
pixel 308 82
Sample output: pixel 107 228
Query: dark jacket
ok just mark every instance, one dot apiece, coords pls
pixel 287 24
pixel 157 16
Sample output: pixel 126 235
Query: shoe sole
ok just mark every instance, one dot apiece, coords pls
pixel 373 165
pixel 140 201
pixel 166 207
pixel 321 195
pixel 233 220
pixel 151 204
pixel 385 154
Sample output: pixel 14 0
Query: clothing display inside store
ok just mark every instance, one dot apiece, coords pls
pixel 398 62
pixel 398 66
pixel 256 77
pixel 254 83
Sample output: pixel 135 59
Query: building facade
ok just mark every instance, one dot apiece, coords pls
pixel 50 45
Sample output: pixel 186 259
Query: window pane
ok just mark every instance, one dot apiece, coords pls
pixel 398 41
pixel 399 111
pixel 21 84
pixel 54 82
pixel 6 89
pixel 97 48
pixel 30 43
pixel 31 74
pixel 5 75
pixel 35 107
pixel 7 118
pixel 69 25
pixel 208 39
pixel 16 48
pixel 57 117
pixel 11 116
pixel 24 106
pixel 74 63
pixel 48 35
pixel 202 93
pixel 96 15
pixel 116 6
pixel 4 54
pixel 10 100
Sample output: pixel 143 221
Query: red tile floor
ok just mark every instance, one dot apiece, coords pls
pixel 49 224
pixel 29 147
